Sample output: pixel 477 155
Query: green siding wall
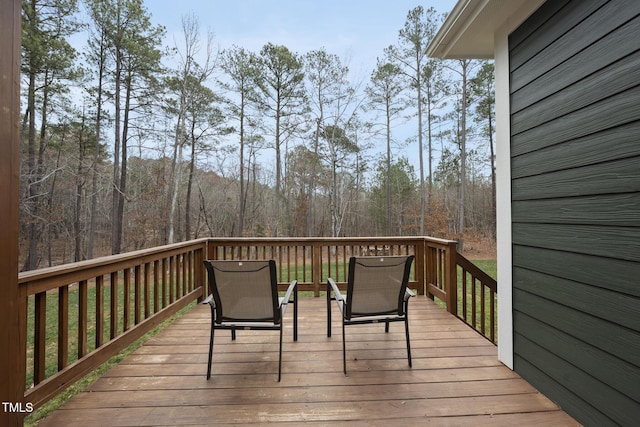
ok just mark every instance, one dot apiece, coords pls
pixel 575 147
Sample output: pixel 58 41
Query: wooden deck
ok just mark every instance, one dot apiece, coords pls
pixel 456 378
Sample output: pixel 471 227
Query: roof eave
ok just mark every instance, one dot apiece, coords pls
pixel 468 31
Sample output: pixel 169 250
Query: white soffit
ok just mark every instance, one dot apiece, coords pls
pixel 468 31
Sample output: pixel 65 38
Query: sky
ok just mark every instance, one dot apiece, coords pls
pixel 355 30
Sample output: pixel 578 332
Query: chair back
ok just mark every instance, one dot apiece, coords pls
pixel 244 290
pixel 377 285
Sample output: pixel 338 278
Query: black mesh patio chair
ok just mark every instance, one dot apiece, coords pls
pixel 376 292
pixel 244 295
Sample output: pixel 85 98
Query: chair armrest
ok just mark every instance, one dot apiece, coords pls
pixel 290 289
pixel 408 293
pixel 336 291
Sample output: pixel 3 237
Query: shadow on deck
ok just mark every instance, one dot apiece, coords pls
pixel 456 378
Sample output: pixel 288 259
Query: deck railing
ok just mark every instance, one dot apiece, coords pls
pixel 82 314
pixel 311 260
pixel 477 298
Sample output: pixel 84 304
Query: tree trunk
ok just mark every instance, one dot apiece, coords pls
pixel 77 225
pixel 192 164
pixel 276 199
pixel 32 180
pixel 388 195
pixel 243 196
pixel 463 148
pixel 312 184
pixel 116 223
pixel 420 148
pixel 96 154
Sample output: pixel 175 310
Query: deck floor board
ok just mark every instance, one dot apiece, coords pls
pixel 456 378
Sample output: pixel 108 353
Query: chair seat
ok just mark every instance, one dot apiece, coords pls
pixel 355 318
pixel 229 324
pixel 375 319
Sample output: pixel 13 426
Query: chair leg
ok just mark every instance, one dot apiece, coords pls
pixel 280 354
pixel 295 314
pixel 328 310
pixel 344 350
pixel 210 352
pixel 386 326
pixel 406 328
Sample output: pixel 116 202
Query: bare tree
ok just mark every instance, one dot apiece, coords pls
pixel 464 68
pixel 385 96
pixel 410 54
pixel 436 92
pixel 97 54
pixel 284 100
pixel 185 84
pixel 47 60
pixel 241 70
pixel 483 88
pixel 133 45
pixel 335 102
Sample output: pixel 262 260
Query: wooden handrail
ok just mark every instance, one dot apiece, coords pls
pixel 478 298
pixel 153 284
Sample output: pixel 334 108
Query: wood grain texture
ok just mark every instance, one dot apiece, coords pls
pixel 607 273
pixel 620 142
pixel 566 34
pixel 607 210
pixel 456 378
pixel 616 110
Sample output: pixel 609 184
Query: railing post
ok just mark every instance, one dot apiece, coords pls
pixel 451 278
pixel 428 270
pixel 13 304
pixel 420 266
pixel 199 273
pixel 316 267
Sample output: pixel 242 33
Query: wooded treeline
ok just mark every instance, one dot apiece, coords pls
pixel 130 143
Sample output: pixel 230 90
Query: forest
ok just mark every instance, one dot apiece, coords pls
pixel 134 142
